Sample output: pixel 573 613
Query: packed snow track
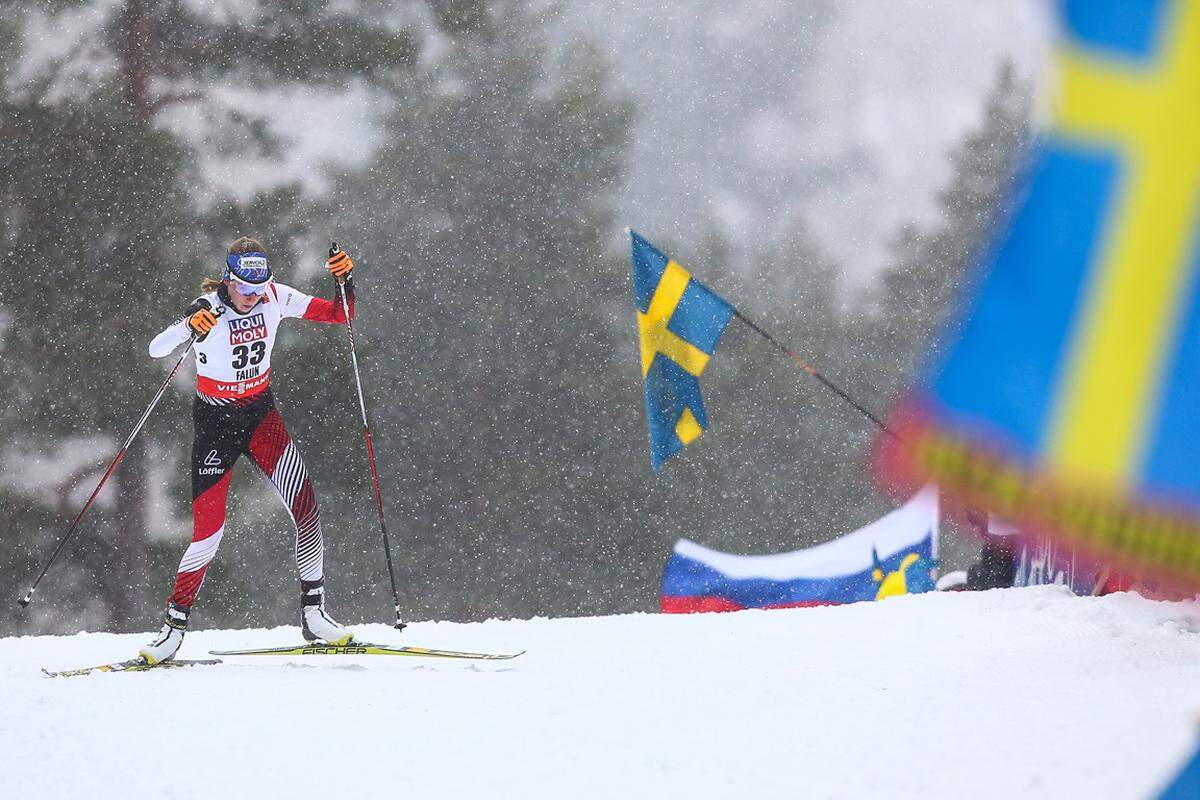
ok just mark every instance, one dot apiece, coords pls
pixel 1015 693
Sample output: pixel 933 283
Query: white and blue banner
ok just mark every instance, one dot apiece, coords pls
pixel 896 554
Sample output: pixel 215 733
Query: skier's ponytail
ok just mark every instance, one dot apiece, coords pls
pixel 244 244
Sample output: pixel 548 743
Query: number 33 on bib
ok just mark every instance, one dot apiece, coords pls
pixel 233 361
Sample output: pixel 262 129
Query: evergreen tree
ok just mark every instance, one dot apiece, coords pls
pixel 920 289
pixel 793 461
pixel 98 206
pixel 98 210
pixel 486 313
pixel 920 293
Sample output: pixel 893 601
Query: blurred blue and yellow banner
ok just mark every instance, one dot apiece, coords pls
pixel 679 323
pixel 1069 400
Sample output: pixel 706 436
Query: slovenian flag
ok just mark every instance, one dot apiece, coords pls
pixel 893 555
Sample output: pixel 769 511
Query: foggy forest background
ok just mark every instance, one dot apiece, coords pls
pixel 496 333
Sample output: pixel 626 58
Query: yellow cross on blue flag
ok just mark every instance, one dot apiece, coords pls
pixel 1069 400
pixel 679 323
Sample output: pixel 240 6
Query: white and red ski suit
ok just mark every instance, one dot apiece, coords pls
pixel 234 413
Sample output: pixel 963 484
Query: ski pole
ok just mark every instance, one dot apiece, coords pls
pixel 828 384
pixel 111 468
pixel 362 405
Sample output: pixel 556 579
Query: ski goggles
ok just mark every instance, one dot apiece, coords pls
pixel 249 289
pixel 248 269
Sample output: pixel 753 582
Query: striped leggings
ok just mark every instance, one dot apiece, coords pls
pixel 222 434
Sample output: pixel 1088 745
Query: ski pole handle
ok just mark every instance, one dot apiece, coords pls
pixel 333 251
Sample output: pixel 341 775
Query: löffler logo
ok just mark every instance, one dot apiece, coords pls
pixel 212 464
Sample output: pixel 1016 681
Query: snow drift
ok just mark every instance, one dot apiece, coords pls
pixel 1024 692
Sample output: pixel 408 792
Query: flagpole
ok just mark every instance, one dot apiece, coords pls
pixel 828 384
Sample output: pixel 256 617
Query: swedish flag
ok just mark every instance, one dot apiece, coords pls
pixel 1071 397
pixel 679 324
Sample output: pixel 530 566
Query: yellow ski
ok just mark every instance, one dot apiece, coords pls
pixel 132 665
pixel 362 649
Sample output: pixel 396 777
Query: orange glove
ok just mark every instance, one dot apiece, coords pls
pixel 202 322
pixel 340 265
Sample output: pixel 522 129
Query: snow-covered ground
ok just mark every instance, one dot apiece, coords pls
pixel 1018 693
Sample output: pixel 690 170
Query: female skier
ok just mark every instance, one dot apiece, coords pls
pixel 234 413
